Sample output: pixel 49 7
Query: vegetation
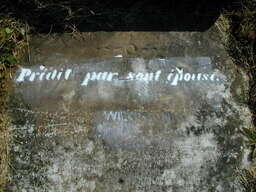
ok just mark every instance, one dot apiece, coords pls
pixel 238 28
pixel 12 43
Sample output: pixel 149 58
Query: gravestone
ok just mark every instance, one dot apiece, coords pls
pixel 128 111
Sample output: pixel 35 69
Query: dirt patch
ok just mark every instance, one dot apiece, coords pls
pixel 47 16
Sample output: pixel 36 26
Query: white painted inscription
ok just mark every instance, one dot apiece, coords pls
pixel 98 76
pixel 43 74
pixel 173 78
pixel 130 116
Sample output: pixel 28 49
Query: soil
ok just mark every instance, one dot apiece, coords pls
pixel 46 16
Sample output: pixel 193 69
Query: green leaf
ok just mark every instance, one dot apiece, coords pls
pixel 8 30
pixel 11 60
pixel 250 134
pixel 8 60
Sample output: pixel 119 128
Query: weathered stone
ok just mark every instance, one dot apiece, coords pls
pixel 128 112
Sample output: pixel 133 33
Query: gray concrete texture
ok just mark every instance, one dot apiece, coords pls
pixel 128 111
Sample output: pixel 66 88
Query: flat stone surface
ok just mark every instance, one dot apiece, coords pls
pixel 128 111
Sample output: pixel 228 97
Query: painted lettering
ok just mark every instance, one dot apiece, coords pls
pixel 24 73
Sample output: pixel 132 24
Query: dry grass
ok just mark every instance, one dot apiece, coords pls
pixel 248 179
pixel 238 29
pixel 13 40
pixel 4 149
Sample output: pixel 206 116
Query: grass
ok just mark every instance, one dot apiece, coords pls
pixel 238 29
pixel 13 40
pixel 247 178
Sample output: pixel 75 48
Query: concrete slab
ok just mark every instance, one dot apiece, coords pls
pixel 128 111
